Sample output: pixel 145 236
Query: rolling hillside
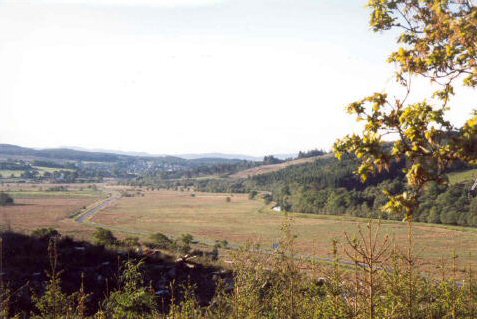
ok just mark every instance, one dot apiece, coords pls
pixel 265 169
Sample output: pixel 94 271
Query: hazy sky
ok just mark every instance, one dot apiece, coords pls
pixel 182 76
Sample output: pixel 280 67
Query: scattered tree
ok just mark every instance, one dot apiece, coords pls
pixel 104 236
pixel 5 199
pixel 160 240
pixel 186 241
pixel 45 233
pixel 132 242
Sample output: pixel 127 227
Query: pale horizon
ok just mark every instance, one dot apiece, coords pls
pixel 250 77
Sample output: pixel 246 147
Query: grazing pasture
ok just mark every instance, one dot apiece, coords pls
pixel 209 217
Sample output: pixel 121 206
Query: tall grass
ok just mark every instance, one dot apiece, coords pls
pixel 383 280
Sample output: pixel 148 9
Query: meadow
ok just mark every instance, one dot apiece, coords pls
pixel 42 170
pixel 41 205
pixel 209 217
pixel 5 173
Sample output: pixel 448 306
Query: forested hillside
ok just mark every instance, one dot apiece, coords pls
pixel 328 186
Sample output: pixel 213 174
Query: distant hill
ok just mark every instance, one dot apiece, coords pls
pixel 128 153
pixel 8 150
pixel 62 155
pixel 188 156
pixel 89 165
pixel 101 155
pixel 220 155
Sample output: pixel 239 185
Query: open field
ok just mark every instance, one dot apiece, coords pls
pixel 37 207
pixel 41 170
pixel 5 173
pixel 264 169
pixel 209 217
pixel 26 190
pixel 44 170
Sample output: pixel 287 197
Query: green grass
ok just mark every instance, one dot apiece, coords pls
pixel 5 173
pixel 43 170
pixel 458 177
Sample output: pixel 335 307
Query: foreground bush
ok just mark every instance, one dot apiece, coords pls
pixel 383 280
pixel 132 299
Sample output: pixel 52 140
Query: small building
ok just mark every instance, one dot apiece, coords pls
pixel 277 208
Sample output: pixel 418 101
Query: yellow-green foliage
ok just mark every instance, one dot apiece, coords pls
pixel 383 280
pixel 436 42
pixel 132 299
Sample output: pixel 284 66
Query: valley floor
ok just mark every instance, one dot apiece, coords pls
pixel 210 217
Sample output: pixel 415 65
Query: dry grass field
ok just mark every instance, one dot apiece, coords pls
pixel 36 207
pixel 208 217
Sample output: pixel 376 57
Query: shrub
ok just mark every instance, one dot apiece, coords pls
pixel 186 240
pixel 133 299
pixel 104 236
pixel 214 254
pixel 221 243
pixel 54 303
pixel 267 198
pixel 5 199
pixel 159 240
pixel 57 189
pixel 131 242
pixel 45 233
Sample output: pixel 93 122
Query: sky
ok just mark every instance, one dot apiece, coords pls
pixel 249 77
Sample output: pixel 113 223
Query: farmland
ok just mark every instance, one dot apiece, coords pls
pixel 41 171
pixel 44 205
pixel 5 173
pixel 209 217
